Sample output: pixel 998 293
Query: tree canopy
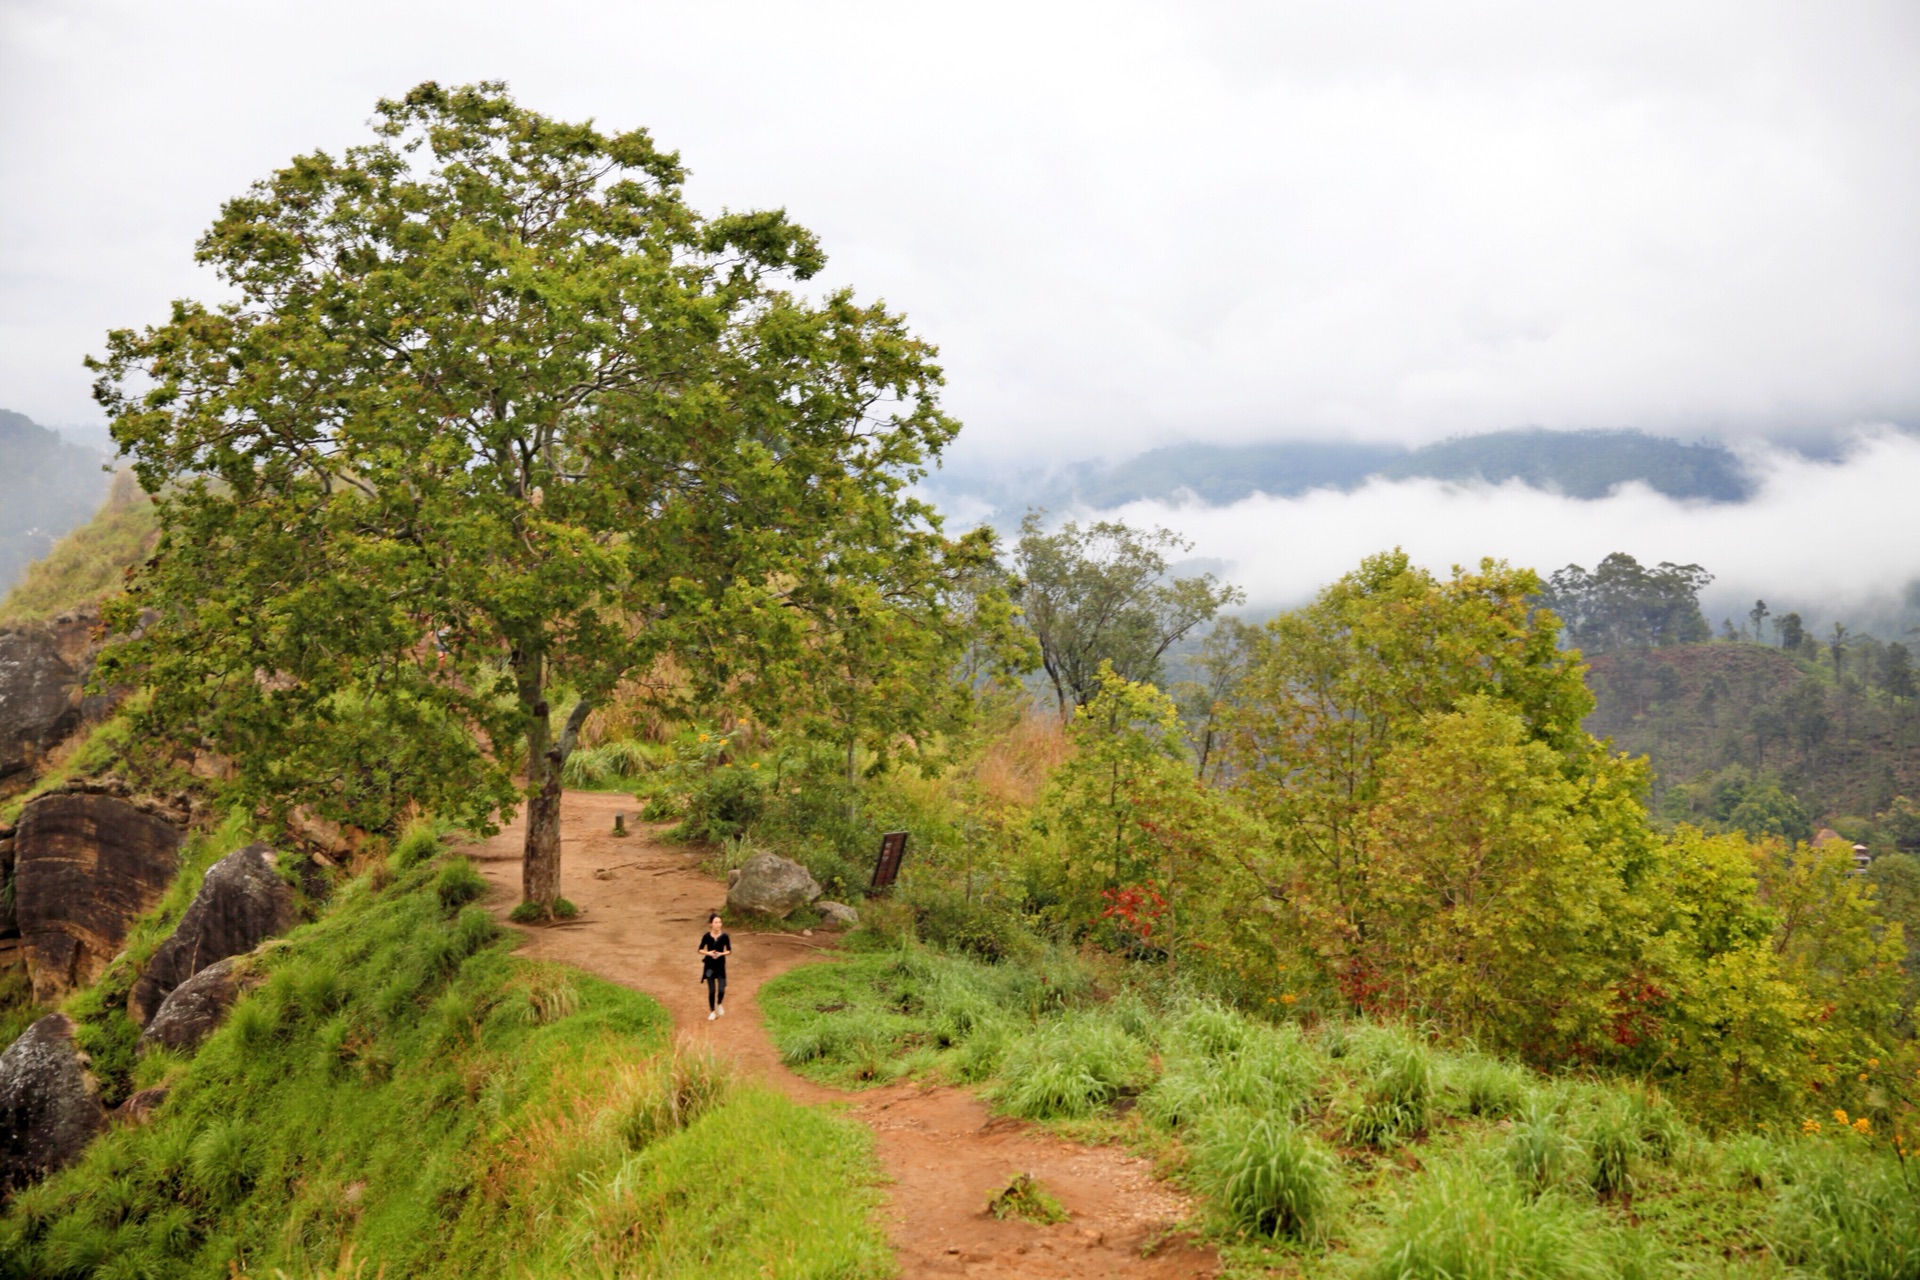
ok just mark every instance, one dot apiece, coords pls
pixel 1623 605
pixel 1101 594
pixel 497 420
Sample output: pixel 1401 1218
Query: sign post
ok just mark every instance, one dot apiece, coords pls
pixel 893 847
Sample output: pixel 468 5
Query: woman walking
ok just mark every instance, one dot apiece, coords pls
pixel 715 947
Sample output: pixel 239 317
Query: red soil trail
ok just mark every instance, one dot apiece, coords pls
pixel 643 903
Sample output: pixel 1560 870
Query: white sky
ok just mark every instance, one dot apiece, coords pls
pixel 1124 223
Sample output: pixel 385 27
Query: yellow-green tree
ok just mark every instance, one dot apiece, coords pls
pixel 1498 903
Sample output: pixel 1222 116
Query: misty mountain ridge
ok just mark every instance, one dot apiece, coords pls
pixel 1579 464
pixel 52 486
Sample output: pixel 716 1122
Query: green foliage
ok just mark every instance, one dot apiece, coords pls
pixel 402 1092
pixel 1622 605
pixel 1100 597
pixel 667 450
pixel 1215 1061
pixel 1540 1150
pixel 610 765
pixel 723 804
pixel 1271 1177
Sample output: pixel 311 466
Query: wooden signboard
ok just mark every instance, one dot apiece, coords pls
pixel 893 847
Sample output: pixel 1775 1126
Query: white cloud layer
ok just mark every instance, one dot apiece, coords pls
pixel 1837 538
pixel 1125 222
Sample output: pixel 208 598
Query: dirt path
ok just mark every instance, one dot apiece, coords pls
pixel 643 903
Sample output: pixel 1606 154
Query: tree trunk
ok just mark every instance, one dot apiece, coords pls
pixel 546 757
pixel 540 863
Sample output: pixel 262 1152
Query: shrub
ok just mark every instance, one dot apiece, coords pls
pixel 458 884
pixel 723 803
pixel 419 843
pixel 947 918
pixel 1850 1216
pixel 1271 1177
pixel 1069 1068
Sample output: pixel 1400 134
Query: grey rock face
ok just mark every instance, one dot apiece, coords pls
pixel 195 1008
pixel 772 885
pixel 242 902
pixel 85 865
pixel 49 1104
pixel 39 697
pixel 836 915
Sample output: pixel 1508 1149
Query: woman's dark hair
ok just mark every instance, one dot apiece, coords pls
pixel 712 917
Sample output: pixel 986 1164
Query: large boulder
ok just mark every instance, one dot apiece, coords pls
pixel 772 885
pixel 241 903
pixel 49 1104
pixel 39 698
pixel 195 1008
pixel 85 864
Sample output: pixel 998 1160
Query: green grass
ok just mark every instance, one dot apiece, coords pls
pixel 1353 1149
pixel 402 1097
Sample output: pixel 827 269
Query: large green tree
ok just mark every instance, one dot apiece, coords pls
pixel 1103 594
pixel 495 420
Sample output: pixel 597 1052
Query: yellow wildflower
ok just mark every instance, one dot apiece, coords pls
pixel 1863 1077
pixel 1863 1125
pixel 1288 998
pixel 1810 1126
pixel 1840 1115
pixel 703 737
pixel 1873 1062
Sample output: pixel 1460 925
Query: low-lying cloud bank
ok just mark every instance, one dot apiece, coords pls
pixel 1834 539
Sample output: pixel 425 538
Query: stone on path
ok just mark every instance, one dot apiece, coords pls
pixel 836 915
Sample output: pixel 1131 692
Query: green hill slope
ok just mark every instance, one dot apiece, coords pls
pixel 401 1097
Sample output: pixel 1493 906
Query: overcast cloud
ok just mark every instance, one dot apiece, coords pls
pixel 1124 223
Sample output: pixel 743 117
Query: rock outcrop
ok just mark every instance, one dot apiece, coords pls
pixel 85 864
pixel 241 903
pixel 49 1105
pixel 39 698
pixel 836 915
pixel 772 885
pixel 195 1008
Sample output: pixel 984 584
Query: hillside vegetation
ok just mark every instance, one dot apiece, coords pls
pixel 399 1096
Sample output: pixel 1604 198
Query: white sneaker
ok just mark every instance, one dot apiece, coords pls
pixel 712 1016
pixel 723 1011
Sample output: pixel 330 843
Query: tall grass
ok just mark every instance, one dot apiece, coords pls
pixel 1461 1223
pixel 1850 1215
pixel 1269 1175
pixel 1070 1067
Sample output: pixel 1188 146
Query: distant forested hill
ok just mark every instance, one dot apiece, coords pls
pixel 50 487
pixel 1733 723
pixel 1581 464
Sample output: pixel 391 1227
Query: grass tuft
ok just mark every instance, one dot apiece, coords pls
pixel 1271 1177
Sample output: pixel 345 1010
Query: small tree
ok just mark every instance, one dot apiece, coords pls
pixel 1102 595
pixel 496 420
